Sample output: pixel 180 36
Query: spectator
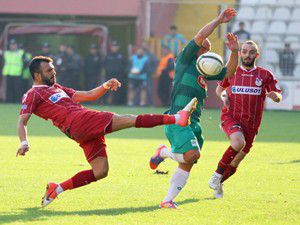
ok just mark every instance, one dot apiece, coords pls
pixel 287 60
pixel 174 40
pixel 165 74
pixel 115 66
pixel 92 67
pixel 138 79
pixel 242 34
pixel 12 70
pixel 73 65
pixel 26 83
pixel 46 51
pixel 60 62
pixel 150 71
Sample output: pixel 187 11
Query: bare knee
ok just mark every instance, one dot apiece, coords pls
pixel 100 174
pixel 238 143
pixel 191 156
pixel 100 167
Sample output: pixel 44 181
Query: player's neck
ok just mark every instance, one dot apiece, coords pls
pixel 248 68
pixel 38 84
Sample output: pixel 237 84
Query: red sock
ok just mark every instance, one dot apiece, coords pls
pixel 228 156
pixel 152 120
pixel 230 170
pixel 80 179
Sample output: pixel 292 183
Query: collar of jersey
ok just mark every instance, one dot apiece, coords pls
pixel 39 85
pixel 254 68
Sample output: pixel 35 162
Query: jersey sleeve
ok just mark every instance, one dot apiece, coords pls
pixel 30 102
pixel 224 83
pixel 189 52
pixel 220 76
pixel 69 91
pixel 272 83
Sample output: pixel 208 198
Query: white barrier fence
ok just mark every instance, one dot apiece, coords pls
pixel 291 96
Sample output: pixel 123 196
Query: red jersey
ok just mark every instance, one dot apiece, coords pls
pixel 247 91
pixel 52 102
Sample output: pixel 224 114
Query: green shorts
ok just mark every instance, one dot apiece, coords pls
pixel 183 139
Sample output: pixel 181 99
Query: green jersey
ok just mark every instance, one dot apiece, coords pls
pixel 188 82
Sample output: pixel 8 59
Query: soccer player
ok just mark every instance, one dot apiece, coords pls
pixel 60 104
pixel 188 83
pixel 243 107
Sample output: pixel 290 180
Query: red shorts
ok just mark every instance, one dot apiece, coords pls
pixel 89 129
pixel 231 125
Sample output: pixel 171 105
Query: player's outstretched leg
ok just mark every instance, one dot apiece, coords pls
pixel 181 118
pixel 120 122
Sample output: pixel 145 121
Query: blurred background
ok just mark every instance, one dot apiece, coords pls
pixel 136 41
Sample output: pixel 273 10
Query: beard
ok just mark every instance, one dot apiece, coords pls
pixel 249 63
pixel 47 80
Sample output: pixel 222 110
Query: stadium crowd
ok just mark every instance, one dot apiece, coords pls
pixel 136 72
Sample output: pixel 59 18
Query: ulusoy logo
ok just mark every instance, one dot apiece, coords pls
pixel 245 90
pixel 57 96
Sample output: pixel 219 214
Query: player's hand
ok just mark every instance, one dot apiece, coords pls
pixel 112 84
pixel 232 42
pixel 226 15
pixel 274 96
pixel 22 150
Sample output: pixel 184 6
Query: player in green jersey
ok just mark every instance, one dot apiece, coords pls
pixel 186 142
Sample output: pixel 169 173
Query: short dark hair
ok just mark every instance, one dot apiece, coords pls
pixel 241 23
pixel 35 64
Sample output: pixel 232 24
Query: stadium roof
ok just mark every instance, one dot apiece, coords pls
pixel 129 8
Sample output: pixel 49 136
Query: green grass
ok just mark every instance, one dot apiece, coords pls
pixel 265 190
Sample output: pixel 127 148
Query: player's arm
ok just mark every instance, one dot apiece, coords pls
pixel 22 132
pixel 273 89
pixel 207 30
pixel 233 46
pixel 221 93
pixel 91 95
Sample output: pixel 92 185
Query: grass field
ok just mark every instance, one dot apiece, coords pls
pixel 265 189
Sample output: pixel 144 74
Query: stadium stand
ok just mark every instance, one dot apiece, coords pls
pixel 272 23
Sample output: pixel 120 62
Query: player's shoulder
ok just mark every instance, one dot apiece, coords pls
pixel 31 91
pixel 59 86
pixel 56 85
pixel 265 71
pixel 30 94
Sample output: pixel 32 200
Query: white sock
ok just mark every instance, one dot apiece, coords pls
pixel 167 153
pixel 177 182
pixel 177 118
pixel 59 189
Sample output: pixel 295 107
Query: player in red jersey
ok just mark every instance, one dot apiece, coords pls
pixel 51 101
pixel 243 107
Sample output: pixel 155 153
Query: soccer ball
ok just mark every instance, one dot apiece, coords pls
pixel 209 64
